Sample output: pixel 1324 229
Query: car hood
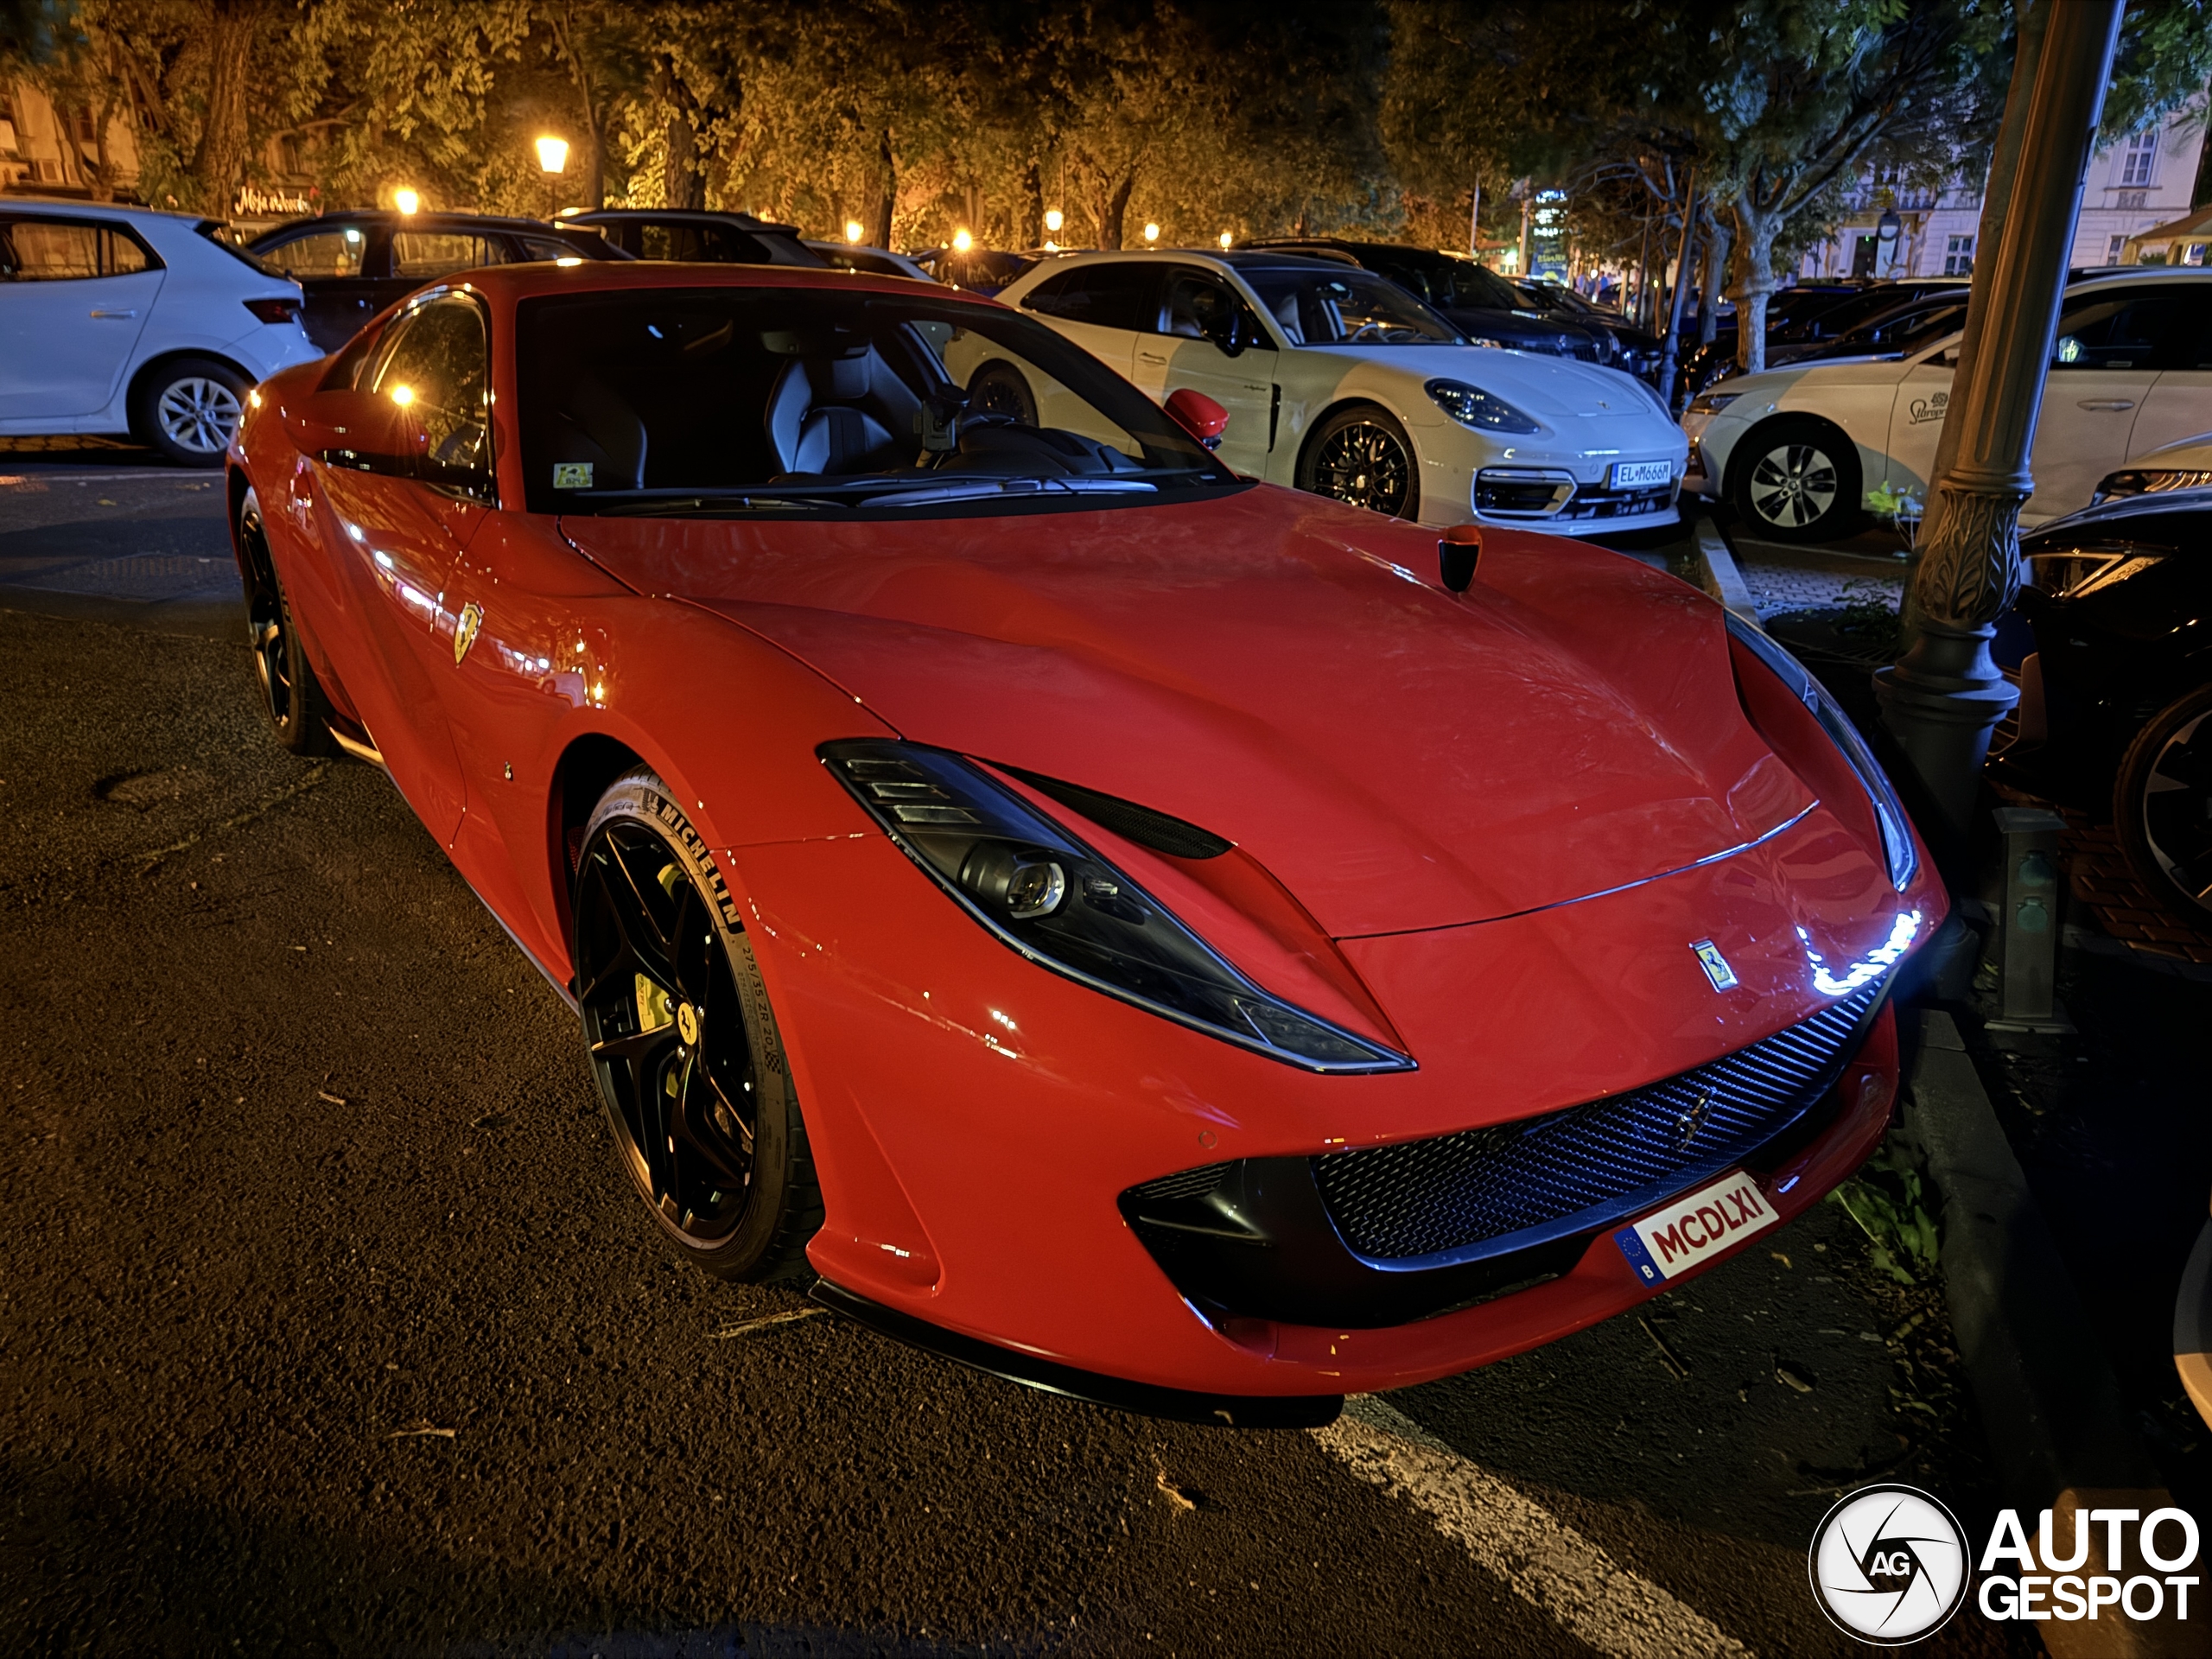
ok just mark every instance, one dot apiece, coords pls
pixel 1554 389
pixel 1267 665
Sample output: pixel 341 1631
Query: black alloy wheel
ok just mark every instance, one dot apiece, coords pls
pixel 683 1043
pixel 1797 481
pixel 290 695
pixel 2162 804
pixel 1362 457
pixel 999 388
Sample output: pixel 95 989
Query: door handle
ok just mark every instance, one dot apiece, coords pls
pixel 2112 404
pixel 117 315
pixel 1146 357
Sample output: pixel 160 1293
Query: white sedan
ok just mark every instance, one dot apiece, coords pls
pixel 1797 451
pixel 121 320
pixel 1339 382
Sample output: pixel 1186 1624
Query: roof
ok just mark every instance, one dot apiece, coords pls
pixel 679 215
pixel 393 216
pixel 532 281
pixel 2193 226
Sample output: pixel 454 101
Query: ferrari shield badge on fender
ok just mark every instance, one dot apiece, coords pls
pixel 1715 966
pixel 472 618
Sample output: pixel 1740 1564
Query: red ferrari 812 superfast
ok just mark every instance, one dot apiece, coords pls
pixel 1146 933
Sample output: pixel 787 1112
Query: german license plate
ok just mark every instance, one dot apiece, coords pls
pixel 1642 474
pixel 1685 1231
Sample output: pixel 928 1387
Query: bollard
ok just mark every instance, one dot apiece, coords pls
pixel 2028 923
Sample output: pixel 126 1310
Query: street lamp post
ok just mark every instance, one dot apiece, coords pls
pixel 1944 698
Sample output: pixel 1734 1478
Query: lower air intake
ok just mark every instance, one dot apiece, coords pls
pixel 1524 1183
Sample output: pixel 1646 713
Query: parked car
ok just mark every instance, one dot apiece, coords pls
pixel 874 262
pixel 980 270
pixel 1338 381
pixel 2186 465
pixel 698 237
pixel 1128 929
pixel 2115 712
pixel 1480 303
pixel 116 319
pixel 1706 362
pixel 1819 325
pixel 1796 450
pixel 1897 333
pixel 1621 345
pixel 352 265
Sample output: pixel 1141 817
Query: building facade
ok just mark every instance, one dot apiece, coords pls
pixel 44 151
pixel 2144 181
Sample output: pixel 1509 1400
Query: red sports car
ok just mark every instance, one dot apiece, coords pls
pixel 1159 937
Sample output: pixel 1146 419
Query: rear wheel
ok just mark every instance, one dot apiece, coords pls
pixel 188 409
pixel 2162 806
pixel 290 695
pixel 1362 457
pixel 684 1045
pixel 1797 481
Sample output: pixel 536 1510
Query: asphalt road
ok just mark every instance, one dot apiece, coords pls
pixel 328 1323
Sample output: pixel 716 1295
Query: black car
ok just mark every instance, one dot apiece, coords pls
pixel 979 270
pixel 699 237
pixel 1784 308
pixel 350 266
pixel 2115 670
pixel 1479 302
pixel 1621 344
pixel 1901 330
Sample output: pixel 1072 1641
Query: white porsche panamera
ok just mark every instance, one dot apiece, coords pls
pixel 1798 450
pixel 1340 382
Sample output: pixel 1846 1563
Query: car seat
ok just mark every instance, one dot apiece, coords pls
pixel 595 424
pixel 842 414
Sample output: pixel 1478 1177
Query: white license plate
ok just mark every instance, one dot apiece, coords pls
pixel 1683 1232
pixel 1642 474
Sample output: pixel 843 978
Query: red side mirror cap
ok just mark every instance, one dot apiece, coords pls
pixel 1457 551
pixel 1198 415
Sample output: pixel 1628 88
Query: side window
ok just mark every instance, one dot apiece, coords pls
pixel 546 247
pixel 1197 305
pixel 2139 330
pixel 423 254
pixel 668 242
pixel 325 253
pixel 434 364
pixel 1104 296
pixel 60 250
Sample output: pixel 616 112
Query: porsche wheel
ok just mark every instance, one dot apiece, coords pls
pixel 999 388
pixel 290 695
pixel 2162 804
pixel 683 1045
pixel 1797 481
pixel 1361 456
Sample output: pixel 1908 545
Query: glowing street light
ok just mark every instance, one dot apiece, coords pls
pixel 961 241
pixel 1151 232
pixel 406 200
pixel 855 229
pixel 1225 240
pixel 552 155
pixel 1054 219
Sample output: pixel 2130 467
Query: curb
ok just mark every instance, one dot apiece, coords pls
pixel 2058 1429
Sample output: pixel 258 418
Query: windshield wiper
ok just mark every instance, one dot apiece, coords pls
pixel 644 504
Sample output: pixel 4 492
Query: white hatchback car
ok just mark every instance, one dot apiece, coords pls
pixel 1797 450
pixel 1340 382
pixel 116 320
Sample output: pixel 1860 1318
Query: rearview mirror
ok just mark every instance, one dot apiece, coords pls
pixel 358 430
pixel 1198 415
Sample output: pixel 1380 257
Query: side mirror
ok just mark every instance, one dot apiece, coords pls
pixel 1198 415
pixel 358 430
pixel 1457 551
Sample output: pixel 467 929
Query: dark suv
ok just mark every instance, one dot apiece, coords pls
pixel 350 266
pixel 1480 303
pixel 699 237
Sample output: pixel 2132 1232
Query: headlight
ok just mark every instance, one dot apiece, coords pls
pixel 1040 890
pixel 2140 480
pixel 1711 402
pixel 1897 830
pixel 1471 407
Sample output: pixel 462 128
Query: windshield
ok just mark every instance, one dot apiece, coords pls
pixel 778 400
pixel 1347 308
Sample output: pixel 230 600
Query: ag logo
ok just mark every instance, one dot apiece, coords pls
pixel 1889 1565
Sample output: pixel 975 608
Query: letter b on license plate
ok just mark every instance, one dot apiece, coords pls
pixel 1679 1235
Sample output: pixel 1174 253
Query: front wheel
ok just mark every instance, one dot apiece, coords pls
pixel 1797 481
pixel 1362 457
pixel 188 409
pixel 2162 806
pixel 684 1044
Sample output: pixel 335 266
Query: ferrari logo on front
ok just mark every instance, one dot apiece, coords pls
pixel 1715 966
pixel 464 630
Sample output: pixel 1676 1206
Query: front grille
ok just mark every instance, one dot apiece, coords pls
pixel 1619 504
pixel 1574 1171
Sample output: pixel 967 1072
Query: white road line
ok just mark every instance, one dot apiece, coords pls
pixel 1538 1557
